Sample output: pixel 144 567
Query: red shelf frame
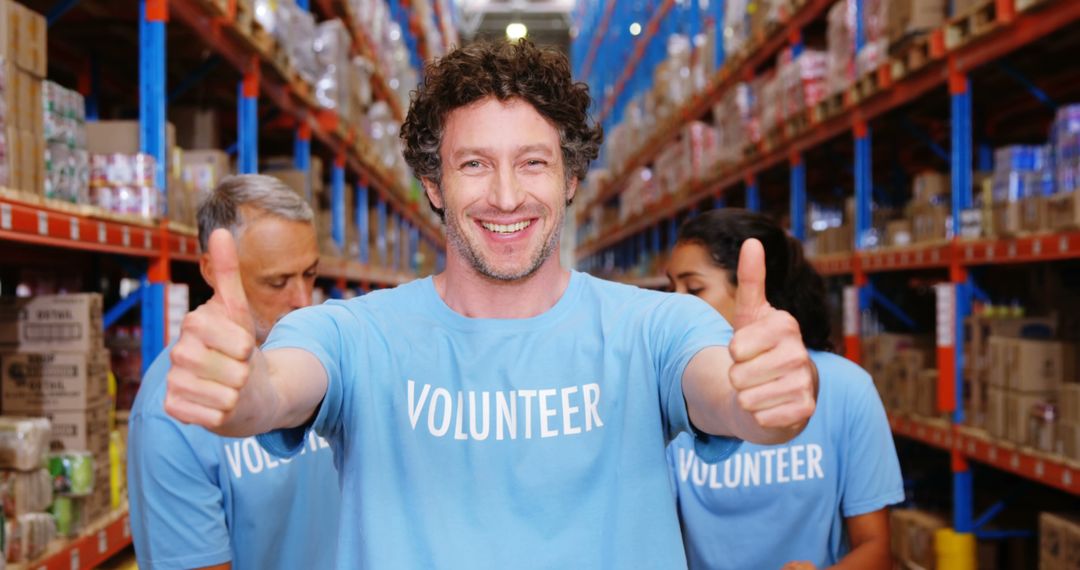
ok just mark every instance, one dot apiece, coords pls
pixel 292 97
pixel 734 71
pixel 1026 28
pixel 974 444
pixel 92 548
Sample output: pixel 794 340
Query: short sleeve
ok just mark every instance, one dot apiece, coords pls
pixel 318 331
pixel 177 515
pixel 872 470
pixel 684 326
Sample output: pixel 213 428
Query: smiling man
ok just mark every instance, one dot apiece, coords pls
pixel 508 412
pixel 200 500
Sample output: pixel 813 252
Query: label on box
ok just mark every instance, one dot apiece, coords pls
pixel 37 382
pixel 80 430
pixel 51 323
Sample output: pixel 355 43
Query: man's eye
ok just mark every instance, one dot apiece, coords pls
pixel 277 284
pixel 535 163
pixel 471 164
pixel 695 292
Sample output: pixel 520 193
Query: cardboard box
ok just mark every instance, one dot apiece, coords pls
pixel 979 329
pixel 1026 365
pixel 29 113
pixel 81 430
pixel 51 323
pixel 929 223
pixel 926 393
pixel 1063 211
pixel 1040 365
pixel 914 16
pixel 24 172
pixel 1033 214
pixel 912 537
pixel 120 137
pixel 898 233
pixel 34 383
pixel 196 128
pixel 1059 541
pixel 298 180
pixel 930 188
pixel 25 38
pixel 995 412
pixel 1068 434
pixel 1069 402
pixel 1018 409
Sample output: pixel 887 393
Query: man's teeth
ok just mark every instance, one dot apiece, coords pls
pixel 506 229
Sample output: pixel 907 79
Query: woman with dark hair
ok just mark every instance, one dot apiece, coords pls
pixel 819 500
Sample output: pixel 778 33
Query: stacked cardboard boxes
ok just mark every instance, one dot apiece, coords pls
pixel 23 47
pixel 978 329
pixel 1025 378
pixel 912 533
pixel 929 209
pixel 53 364
pixel 903 370
pixel 1059 541
pixel 1068 429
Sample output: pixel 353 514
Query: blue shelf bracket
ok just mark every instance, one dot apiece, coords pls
pixel 248 121
pixel 719 202
pixel 205 68
pixel 153 15
pixel 863 184
pixel 153 320
pixel 798 197
pixel 337 203
pixel 753 194
pixel 380 231
pixel 363 227
pixel 961 157
pixel 117 311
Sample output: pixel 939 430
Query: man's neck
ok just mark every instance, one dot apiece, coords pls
pixel 473 295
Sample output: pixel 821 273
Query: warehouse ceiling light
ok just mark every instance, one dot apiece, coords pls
pixel 635 29
pixel 516 30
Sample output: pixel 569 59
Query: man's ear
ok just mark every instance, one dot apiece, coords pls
pixel 431 188
pixel 206 269
pixel 571 189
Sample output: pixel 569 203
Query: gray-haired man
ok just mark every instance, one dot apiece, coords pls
pixel 201 500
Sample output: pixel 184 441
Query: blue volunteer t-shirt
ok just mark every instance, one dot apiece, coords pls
pixel 504 443
pixel 198 499
pixel 765 506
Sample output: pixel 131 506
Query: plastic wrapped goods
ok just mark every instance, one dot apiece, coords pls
pixel 29 535
pixel 72 473
pixel 26 491
pixel 1065 137
pixel 23 442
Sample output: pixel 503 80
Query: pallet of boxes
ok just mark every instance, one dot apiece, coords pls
pixel 1031 395
pixel 905 372
pixel 54 365
pixel 23 65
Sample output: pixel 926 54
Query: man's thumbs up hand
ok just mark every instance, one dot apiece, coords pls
pixel 211 361
pixel 771 371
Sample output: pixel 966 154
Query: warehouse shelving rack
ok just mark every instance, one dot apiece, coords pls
pixel 31 220
pixel 1016 24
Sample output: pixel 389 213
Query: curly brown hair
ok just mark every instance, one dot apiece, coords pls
pixel 504 70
